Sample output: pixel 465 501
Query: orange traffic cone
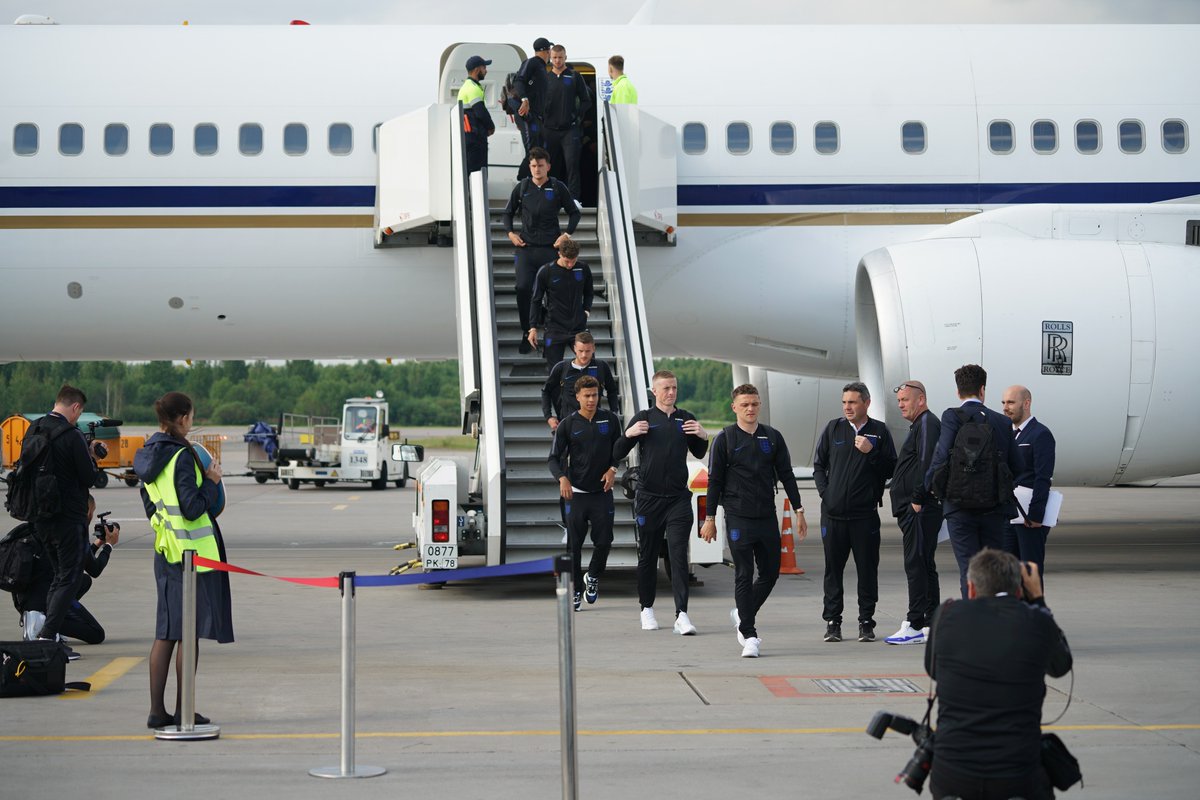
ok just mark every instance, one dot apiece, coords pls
pixel 787 544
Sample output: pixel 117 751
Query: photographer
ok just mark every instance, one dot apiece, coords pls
pixel 79 622
pixel 989 656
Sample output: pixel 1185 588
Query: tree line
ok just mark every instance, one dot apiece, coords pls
pixel 421 393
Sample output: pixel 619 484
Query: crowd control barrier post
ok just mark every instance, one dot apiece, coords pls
pixel 566 676
pixel 186 728
pixel 347 769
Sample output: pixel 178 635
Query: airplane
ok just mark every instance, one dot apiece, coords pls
pixel 883 202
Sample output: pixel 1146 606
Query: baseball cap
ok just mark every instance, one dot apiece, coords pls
pixel 476 61
pixel 542 43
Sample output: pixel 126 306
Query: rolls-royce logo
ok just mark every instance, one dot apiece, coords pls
pixel 1057 347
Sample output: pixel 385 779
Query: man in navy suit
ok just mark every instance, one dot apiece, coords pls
pixel 973 529
pixel 1035 446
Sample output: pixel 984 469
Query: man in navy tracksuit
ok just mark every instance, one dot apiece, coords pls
pixel 582 461
pixel 854 458
pixel 1035 446
pixel 972 529
pixel 558 393
pixel 562 302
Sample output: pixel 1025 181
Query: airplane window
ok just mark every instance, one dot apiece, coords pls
pixel 825 138
pixel 116 139
pixel 1000 137
pixel 1132 139
pixel 783 138
pixel 250 139
pixel 737 138
pixel 70 139
pixel 205 139
pixel 912 137
pixel 1045 136
pixel 341 139
pixel 25 139
pixel 1174 136
pixel 295 139
pixel 1087 136
pixel 695 138
pixel 162 139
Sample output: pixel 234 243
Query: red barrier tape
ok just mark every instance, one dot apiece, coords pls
pixel 201 561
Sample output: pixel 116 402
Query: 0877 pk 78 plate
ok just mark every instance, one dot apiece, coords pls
pixel 439 556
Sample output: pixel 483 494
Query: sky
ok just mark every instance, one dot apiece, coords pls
pixel 400 12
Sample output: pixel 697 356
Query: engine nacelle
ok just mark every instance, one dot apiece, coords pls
pixel 1094 309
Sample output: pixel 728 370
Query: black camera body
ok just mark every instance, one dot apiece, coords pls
pixel 917 769
pixel 101 527
pixel 100 449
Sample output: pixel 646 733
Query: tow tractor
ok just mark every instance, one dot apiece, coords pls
pixel 362 451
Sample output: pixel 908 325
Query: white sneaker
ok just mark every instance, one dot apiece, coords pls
pixel 683 625
pixel 649 623
pixel 751 648
pixel 907 635
pixel 737 626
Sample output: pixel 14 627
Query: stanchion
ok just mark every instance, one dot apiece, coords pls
pixel 186 729
pixel 566 676
pixel 347 769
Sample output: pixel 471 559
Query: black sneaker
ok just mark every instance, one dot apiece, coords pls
pixel 578 600
pixel 524 347
pixel 833 632
pixel 591 588
pixel 71 654
pixel 866 632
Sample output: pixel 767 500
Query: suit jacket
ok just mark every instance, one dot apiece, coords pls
pixel 1005 449
pixel 1035 446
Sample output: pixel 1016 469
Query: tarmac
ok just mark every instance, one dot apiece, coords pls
pixel 457 688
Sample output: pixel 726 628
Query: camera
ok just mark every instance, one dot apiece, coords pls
pixel 916 770
pixel 100 449
pixel 101 527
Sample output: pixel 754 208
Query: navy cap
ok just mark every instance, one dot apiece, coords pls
pixel 542 43
pixel 476 61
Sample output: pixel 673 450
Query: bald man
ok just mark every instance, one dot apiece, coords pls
pixel 1035 447
pixel 919 528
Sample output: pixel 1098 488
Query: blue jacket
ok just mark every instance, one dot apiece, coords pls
pixel 1001 435
pixel 1035 447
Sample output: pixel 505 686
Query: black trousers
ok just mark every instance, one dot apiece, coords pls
pixel 532 136
pixel 920 533
pixel 595 509
pixel 970 532
pixel 78 622
pixel 476 154
pixel 65 542
pixel 1028 544
pixel 555 346
pixel 529 259
pixel 840 538
pixel 565 148
pixel 656 517
pixel 947 782
pixel 752 543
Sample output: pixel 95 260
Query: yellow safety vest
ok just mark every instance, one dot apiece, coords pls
pixel 173 532
pixel 623 92
pixel 470 94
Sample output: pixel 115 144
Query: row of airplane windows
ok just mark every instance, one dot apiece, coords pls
pixel 1043 139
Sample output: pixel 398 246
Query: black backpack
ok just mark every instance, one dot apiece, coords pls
pixel 973 477
pixel 33 492
pixel 18 551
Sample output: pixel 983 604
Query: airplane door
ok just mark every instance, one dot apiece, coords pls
pixel 505 148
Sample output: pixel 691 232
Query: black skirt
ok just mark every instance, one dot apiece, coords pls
pixel 214 604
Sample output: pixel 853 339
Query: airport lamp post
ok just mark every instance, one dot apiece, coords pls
pixel 566 677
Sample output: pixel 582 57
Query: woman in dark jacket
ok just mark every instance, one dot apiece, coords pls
pixel 196 493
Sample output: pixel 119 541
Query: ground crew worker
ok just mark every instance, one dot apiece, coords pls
pixel 562 302
pixel 582 461
pixel 622 87
pixel 744 463
pixel 477 120
pixel 567 100
pixel 538 198
pixel 664 435
pixel 558 393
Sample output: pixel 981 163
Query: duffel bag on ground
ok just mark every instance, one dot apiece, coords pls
pixel 34 668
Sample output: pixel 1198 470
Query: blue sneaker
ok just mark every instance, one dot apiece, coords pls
pixel 591 588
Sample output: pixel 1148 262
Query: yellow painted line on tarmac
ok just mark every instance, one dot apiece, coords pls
pixel 554 732
pixel 340 507
pixel 354 497
pixel 102 677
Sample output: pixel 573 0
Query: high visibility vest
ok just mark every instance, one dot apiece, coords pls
pixel 173 532
pixel 623 92
pixel 469 94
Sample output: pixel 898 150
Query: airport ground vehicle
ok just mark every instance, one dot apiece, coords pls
pixel 322 451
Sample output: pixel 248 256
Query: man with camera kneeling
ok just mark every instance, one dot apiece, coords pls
pixel 78 622
pixel 989 656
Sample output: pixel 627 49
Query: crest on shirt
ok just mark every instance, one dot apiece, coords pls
pixel 549 193
pixel 764 444
pixel 602 427
pixel 578 273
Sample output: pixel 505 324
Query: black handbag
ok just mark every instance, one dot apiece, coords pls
pixel 1061 767
pixel 30 669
